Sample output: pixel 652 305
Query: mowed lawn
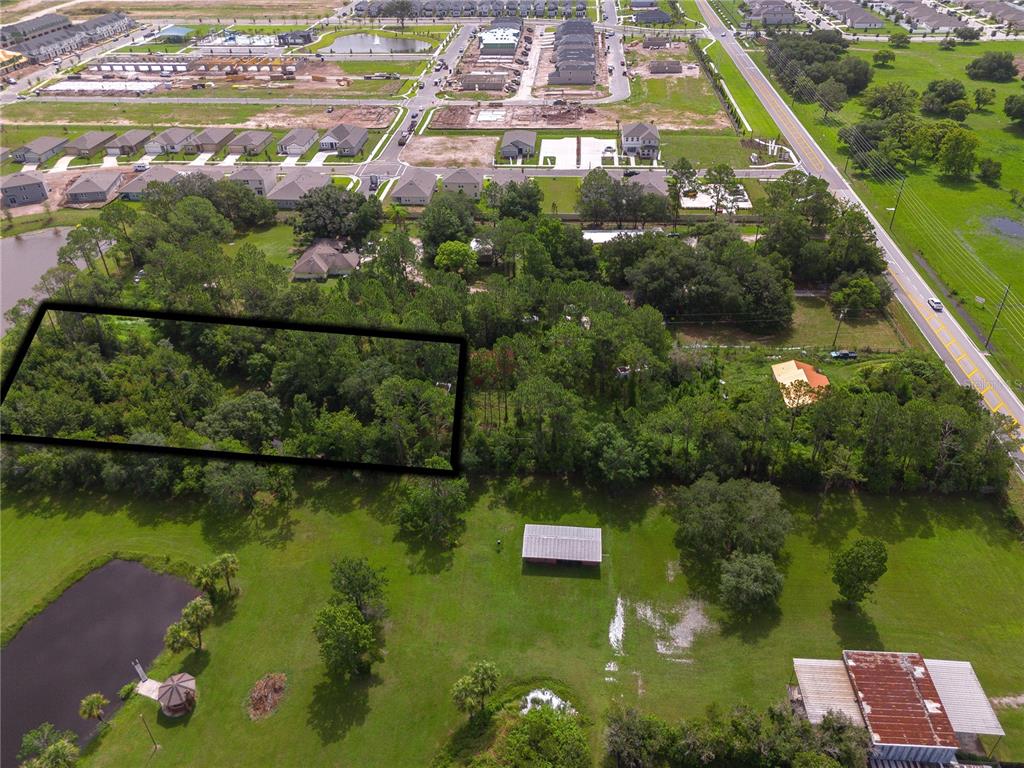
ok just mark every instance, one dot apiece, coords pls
pixel 560 193
pixel 142 113
pixel 276 242
pixel 814 326
pixel 952 591
pixel 967 210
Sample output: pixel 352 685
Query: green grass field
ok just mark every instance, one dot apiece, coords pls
pixel 967 210
pixel 704 150
pixel 276 241
pixel 60 217
pixel 141 113
pixel 814 326
pixel 559 193
pixel 534 623
pixel 761 123
pixel 369 67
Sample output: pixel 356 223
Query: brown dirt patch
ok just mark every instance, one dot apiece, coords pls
pixel 266 695
pixel 450 151
pixel 570 117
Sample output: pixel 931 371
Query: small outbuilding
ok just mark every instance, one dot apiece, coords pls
pixel 554 544
pixel 177 695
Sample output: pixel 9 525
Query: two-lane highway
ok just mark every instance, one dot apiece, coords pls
pixel 954 346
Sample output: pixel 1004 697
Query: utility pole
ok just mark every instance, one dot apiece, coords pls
pixel 155 745
pixel 842 314
pixel 996 320
pixel 897 205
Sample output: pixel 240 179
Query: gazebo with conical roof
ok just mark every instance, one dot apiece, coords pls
pixel 177 695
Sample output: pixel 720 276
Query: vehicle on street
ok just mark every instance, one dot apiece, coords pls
pixel 141 167
pixel 330 109
pixel 934 303
pixel 843 354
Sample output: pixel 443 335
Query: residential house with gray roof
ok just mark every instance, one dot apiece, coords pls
pixel 22 189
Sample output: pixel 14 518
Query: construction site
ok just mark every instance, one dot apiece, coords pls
pixel 141 74
pixel 570 116
pixel 495 59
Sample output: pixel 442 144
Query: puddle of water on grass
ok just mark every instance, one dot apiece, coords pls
pixel 544 697
pixel 676 628
pixel 1006 226
pixel 617 628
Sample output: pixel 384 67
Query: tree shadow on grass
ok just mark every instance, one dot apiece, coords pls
pixel 475 736
pixel 854 628
pixel 338 705
pixel 562 570
pixel 898 519
pixel 195 662
pixel 832 520
pixel 427 557
pixel 754 627
pixel 550 499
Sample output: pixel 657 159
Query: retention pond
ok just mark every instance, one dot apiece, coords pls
pixel 82 643
pixel 367 43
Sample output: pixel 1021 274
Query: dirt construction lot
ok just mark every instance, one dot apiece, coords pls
pixel 503 117
pixel 450 151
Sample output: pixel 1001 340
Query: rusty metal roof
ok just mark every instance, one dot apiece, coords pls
pixel 899 700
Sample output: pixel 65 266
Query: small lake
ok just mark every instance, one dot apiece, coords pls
pixel 367 43
pixel 23 261
pixel 85 642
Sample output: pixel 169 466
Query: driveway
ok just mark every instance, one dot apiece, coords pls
pixel 229 160
pixel 201 158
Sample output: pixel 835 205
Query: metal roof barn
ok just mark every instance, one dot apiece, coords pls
pixel 825 687
pixel 901 706
pixel 967 706
pixel 562 543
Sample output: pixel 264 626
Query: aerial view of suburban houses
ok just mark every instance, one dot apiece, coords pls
pixel 512 384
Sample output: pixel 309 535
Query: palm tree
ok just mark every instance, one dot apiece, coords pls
pixel 92 706
pixel 206 579
pixel 60 754
pixel 227 566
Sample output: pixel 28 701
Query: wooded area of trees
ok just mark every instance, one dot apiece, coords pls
pixel 566 376
pixel 243 389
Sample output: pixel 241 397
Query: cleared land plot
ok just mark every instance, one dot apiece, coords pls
pixel 429 33
pixel 276 242
pixel 360 67
pixel 974 216
pixel 704 150
pixel 814 326
pixel 533 625
pixel 450 151
pixel 559 193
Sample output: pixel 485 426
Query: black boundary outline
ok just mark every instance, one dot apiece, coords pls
pixel 455 460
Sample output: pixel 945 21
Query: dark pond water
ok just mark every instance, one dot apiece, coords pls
pixel 367 43
pixel 84 642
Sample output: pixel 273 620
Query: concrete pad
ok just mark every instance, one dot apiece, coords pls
pixel 290 162
pixel 109 162
pixel 229 160
pixel 29 166
pixel 201 158
pixel 149 688
pixel 318 159
pixel 62 164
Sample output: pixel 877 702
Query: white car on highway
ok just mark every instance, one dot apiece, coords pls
pixel 935 304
